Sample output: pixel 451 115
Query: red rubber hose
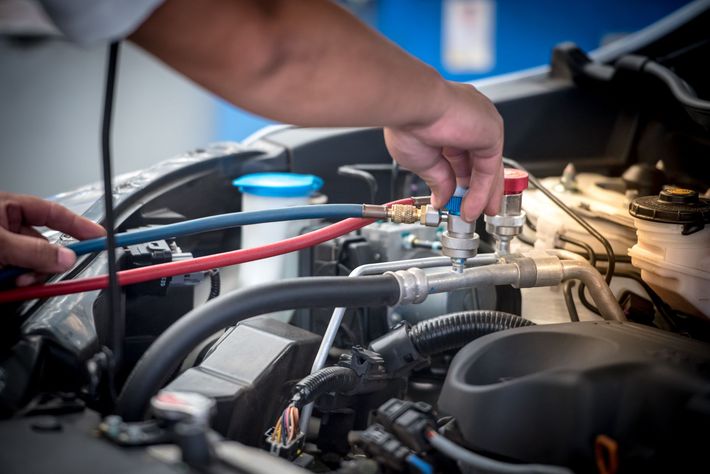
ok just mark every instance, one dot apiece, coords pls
pixel 200 264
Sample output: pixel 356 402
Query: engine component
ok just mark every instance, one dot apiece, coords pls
pixel 567 383
pixel 161 359
pixel 672 251
pixel 250 395
pixel 339 313
pixel 510 219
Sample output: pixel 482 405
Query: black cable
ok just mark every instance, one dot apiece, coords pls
pixel 113 293
pixel 354 172
pixel 578 219
pixel 678 87
pixel 327 379
pixel 585 302
pixel 215 284
pixel 668 58
pixel 162 358
pixel 530 224
pixel 569 300
pixel 591 255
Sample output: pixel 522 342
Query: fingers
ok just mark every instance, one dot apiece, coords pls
pixel 485 188
pixel 424 160
pixel 460 164
pixel 31 210
pixel 34 253
pixel 441 180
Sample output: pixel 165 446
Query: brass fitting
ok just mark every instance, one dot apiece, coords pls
pixel 403 214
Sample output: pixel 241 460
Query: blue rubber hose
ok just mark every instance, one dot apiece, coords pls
pixel 211 223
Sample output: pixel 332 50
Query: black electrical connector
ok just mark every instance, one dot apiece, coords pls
pixel 361 371
pixel 409 421
pixel 398 351
pixel 290 450
pixel 158 252
pixel 369 368
pixel 383 447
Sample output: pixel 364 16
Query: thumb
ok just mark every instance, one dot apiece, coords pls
pixel 34 253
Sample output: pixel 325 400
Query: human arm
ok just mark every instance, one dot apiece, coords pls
pixel 313 64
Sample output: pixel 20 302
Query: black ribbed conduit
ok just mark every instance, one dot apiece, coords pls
pixel 163 356
pixel 215 284
pixel 455 330
pixel 327 379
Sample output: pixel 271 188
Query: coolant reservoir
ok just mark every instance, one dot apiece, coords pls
pixel 673 249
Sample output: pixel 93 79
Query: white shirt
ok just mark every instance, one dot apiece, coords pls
pixel 89 21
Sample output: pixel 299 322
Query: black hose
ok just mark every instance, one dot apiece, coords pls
pixel 327 379
pixel 452 331
pixel 353 172
pixel 165 354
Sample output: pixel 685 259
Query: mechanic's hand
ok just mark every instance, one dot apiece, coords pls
pixel 22 246
pixel 463 146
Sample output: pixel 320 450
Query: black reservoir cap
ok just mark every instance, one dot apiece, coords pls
pixel 673 206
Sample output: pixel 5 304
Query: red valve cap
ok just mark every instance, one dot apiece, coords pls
pixel 514 181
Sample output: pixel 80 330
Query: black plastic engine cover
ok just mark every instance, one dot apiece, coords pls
pixel 250 372
pixel 544 393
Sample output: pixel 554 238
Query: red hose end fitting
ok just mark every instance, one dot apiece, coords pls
pixel 514 181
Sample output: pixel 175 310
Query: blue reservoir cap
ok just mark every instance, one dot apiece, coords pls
pixel 278 184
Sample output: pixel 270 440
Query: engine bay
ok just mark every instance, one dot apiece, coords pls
pixel 262 330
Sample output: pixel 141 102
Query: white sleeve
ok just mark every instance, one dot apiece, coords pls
pixel 89 21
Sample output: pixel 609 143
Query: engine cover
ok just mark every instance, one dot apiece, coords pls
pixel 544 393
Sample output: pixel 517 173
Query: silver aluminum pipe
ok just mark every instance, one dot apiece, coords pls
pixel 521 272
pixel 372 269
